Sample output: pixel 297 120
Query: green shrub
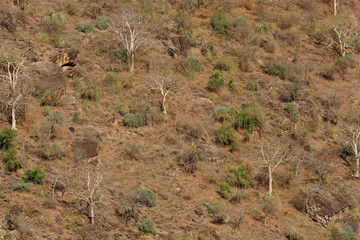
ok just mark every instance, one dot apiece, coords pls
pixel 7 137
pixel 35 175
pixel 226 134
pixel 86 27
pixel 351 60
pixel 221 114
pixel 293 235
pixel 22 187
pixel 146 197
pixel 215 209
pixel 292 109
pixel 76 118
pixel 10 154
pixel 344 233
pixel 248 118
pixel 276 68
pixel 239 177
pixel 103 23
pixel 261 28
pixel 12 165
pixel 123 109
pixel 232 85
pixel 147 226
pixel 135 120
pixel 224 189
pixel 240 22
pixel 349 150
pixel 215 82
pixel 252 85
pixel 47 151
pixel 222 65
pixel 237 197
pixel 91 92
pixel 192 66
pixel 113 79
pixel 221 26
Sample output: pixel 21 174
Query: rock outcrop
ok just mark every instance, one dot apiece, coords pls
pixel 6 20
pixel 85 148
pixel 65 57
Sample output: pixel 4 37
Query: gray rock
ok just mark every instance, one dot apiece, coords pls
pixel 85 148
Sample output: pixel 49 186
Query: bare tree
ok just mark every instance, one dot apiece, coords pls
pixel 133 32
pixel 336 6
pixel 354 139
pixel 343 29
pixel 14 86
pixel 164 83
pixel 89 196
pixel 272 156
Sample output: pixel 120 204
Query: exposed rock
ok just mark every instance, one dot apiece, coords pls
pixel 47 76
pixel 65 57
pixel 199 211
pixel 324 205
pixel 6 20
pixel 85 148
pixel 172 51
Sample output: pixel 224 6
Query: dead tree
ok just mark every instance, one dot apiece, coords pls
pixel 89 196
pixel 133 32
pixel 164 83
pixel 336 5
pixel 343 30
pixel 14 86
pixel 354 141
pixel 272 156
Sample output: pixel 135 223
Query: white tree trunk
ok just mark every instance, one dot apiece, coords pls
pixel 357 167
pixel 270 181
pixel 131 61
pixel 335 7
pixel 164 105
pixel 13 112
pixel 92 214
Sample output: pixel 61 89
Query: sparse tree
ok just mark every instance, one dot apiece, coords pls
pixel 132 28
pixel 273 155
pixel 14 86
pixel 164 83
pixel 354 141
pixel 343 30
pixel 90 196
pixel 336 6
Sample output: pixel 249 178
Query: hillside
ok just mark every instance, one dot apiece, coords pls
pixel 223 96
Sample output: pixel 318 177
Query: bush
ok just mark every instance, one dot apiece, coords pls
pixel 183 23
pixel 76 118
pixel 252 85
pixel 147 226
pixel 135 120
pixel 224 190
pixel 50 97
pixel 10 154
pixel 239 177
pixel 146 197
pixel 113 79
pixel 192 66
pixel 293 235
pixel 344 233
pixel 86 27
pixel 91 92
pixel 22 187
pixel 351 60
pixel 221 26
pixel 188 159
pixel 240 22
pixel 237 197
pixel 276 68
pixel 48 152
pixel 222 65
pixel 232 85
pixel 215 82
pixel 56 117
pixel 35 175
pixel 221 114
pixel 226 134
pixel 123 109
pixel 7 137
pixel 248 118
pixel 12 165
pixel 292 109
pixel 103 23
pixel 132 150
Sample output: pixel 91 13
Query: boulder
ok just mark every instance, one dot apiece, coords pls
pixel 182 43
pixel 6 20
pixel 47 76
pixel 65 57
pixel 85 148
pixel 324 205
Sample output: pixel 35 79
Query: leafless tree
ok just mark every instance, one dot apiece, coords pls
pixel 90 196
pixel 354 141
pixel 133 32
pixel 164 83
pixel 343 29
pixel 273 155
pixel 14 86
pixel 336 6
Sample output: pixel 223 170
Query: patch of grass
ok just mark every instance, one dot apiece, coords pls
pixel 147 226
pixel 252 85
pixel 146 197
pixel 91 92
pixel 103 23
pixel 135 120
pixel 132 150
pixel 21 187
pixel 240 21
pixel 86 27
pixel 76 118
pixel 342 233
pixel 113 80
pixel 192 66
pixel 292 109
pixel 221 114
pixel 123 109
pixel 248 118
pixel 215 82
pixel 12 165
pixel 224 189
pixel 47 151
pixel 35 175
pixel 239 177
pixel 50 97
pixel 276 68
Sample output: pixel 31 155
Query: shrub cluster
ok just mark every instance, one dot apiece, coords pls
pixel 103 23
pixel 145 196
pixel 220 23
pixel 215 82
pixel 35 175
pixel 7 137
pixel 135 120
pixel 86 27
pixel 147 226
